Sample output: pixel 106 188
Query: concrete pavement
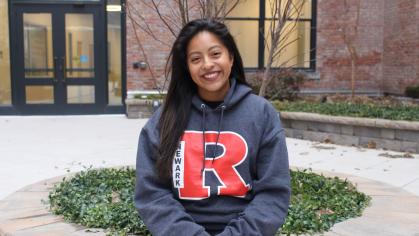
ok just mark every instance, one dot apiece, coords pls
pixel 39 147
pixel 36 148
pixel 393 168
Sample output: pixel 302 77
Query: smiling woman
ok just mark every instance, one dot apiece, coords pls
pixel 205 164
pixel 209 64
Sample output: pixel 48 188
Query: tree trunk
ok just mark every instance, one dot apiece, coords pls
pixel 265 81
pixel 353 69
pixel 266 78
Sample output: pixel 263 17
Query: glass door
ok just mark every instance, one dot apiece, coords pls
pixel 60 59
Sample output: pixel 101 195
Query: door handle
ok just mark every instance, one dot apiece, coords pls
pixel 63 69
pixel 56 63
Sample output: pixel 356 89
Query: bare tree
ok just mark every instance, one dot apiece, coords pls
pixel 349 33
pixel 281 34
pixel 217 9
pixel 176 14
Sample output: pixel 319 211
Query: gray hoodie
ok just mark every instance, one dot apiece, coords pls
pixel 241 187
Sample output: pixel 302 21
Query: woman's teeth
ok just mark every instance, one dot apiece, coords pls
pixel 211 75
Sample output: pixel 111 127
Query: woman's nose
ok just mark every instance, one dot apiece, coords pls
pixel 208 64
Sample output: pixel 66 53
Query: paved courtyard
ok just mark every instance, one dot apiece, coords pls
pixel 36 148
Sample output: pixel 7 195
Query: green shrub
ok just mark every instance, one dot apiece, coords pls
pixel 401 112
pixel 100 199
pixel 104 199
pixel 317 203
pixel 412 91
pixel 285 85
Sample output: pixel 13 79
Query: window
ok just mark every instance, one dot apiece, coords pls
pixel 249 24
pixel 114 8
pixel 5 87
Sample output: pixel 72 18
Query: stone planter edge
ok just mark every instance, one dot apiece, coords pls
pixel 140 108
pixel 355 121
pixel 402 136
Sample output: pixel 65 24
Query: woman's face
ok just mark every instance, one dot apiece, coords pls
pixel 209 64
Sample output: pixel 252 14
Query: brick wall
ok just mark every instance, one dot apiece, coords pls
pixel 401 47
pixel 333 60
pixel 387 46
pixel 156 52
pixel 156 48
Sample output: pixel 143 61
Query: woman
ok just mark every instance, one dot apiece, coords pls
pixel 213 160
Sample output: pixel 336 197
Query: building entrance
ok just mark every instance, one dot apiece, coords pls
pixel 59 58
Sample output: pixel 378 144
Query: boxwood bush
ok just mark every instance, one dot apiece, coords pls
pixel 401 112
pixel 412 91
pixel 104 199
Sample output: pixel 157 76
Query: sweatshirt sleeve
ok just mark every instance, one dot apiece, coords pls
pixel 268 209
pixel 160 211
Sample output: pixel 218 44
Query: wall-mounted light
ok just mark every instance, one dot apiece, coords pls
pixel 140 65
pixel 116 8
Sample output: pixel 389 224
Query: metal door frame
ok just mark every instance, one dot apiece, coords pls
pixel 17 54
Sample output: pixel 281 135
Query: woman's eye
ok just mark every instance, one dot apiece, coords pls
pixel 196 59
pixel 216 53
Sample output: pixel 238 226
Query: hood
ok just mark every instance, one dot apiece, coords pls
pixel 235 94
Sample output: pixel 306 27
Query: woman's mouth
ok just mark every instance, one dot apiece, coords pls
pixel 211 76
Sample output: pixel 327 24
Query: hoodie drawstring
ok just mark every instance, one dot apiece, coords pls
pixel 203 138
pixel 220 122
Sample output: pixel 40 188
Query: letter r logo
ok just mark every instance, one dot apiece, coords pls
pixel 188 163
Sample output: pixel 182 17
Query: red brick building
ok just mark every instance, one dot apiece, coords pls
pixel 387 42
pixel 88 56
pixel 387 45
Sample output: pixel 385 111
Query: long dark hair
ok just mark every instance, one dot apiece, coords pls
pixel 177 105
